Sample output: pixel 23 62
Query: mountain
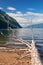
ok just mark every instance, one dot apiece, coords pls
pixel 6 20
pixel 40 25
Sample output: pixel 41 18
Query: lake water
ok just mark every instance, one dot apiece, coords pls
pixel 26 34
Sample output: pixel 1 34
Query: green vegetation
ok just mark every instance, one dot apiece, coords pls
pixel 7 22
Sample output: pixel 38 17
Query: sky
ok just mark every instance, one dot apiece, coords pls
pixel 24 10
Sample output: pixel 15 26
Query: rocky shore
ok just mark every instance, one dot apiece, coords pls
pixel 15 57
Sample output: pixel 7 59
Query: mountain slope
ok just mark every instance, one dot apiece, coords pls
pixel 40 25
pixel 6 20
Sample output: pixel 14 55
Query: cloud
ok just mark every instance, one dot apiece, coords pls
pixel 30 9
pixel 1 8
pixel 25 19
pixel 11 8
pixel 18 17
pixel 17 14
pixel 36 17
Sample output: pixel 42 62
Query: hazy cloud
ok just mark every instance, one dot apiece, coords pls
pixel 1 8
pixel 30 9
pixel 11 8
pixel 25 19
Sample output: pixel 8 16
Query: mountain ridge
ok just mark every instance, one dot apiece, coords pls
pixel 6 20
pixel 39 25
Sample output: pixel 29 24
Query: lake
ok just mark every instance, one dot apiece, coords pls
pixel 26 34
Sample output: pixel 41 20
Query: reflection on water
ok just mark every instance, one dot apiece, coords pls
pixel 2 41
pixel 3 36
